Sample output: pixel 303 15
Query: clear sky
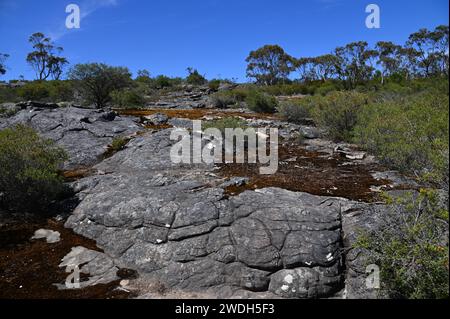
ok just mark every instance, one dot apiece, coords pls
pixel 166 36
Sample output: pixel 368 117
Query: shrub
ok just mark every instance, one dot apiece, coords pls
pixel 222 100
pixel 261 102
pixel 35 91
pixel 326 88
pixel 51 91
pixel 8 94
pixel 214 84
pixel 411 247
pixel 338 113
pixel 127 98
pixel 296 110
pixel 29 181
pixel 409 134
pixel 162 81
pixel 226 122
pixel 195 78
pixel 96 81
pixel 60 91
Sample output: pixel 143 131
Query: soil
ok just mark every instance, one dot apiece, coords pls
pixel 312 172
pixel 29 268
pixel 196 114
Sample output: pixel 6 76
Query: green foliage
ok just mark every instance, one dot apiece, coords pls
pixel 46 91
pixel 411 247
pixel 261 102
pixel 194 77
pixel 162 81
pixel 269 65
pixel 96 81
pixel 214 84
pixel 409 134
pixel 119 143
pixel 297 110
pixel 223 99
pixel 127 98
pixel 8 94
pixel 29 181
pixel 338 113
pixel 36 91
pixel 226 122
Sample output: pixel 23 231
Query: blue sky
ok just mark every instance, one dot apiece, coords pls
pixel 166 36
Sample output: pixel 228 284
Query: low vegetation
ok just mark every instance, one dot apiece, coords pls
pixel 261 102
pixel 29 180
pixel 411 247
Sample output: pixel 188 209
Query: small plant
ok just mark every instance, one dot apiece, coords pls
pixel 338 113
pixel 29 181
pixel 194 77
pixel 222 100
pixel 118 144
pixel 226 122
pixel 296 110
pixel 411 247
pixel 261 102
pixel 127 98
pixel 214 84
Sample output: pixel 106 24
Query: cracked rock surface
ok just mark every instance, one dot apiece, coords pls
pixel 173 223
pixel 84 133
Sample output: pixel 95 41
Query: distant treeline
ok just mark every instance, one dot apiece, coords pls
pixel 425 54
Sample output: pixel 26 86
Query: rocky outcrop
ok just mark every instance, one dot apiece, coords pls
pixel 97 266
pixel 173 223
pixel 83 133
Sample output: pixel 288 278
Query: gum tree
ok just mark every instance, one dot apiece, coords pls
pixel 269 65
pixel 96 81
pixel 45 59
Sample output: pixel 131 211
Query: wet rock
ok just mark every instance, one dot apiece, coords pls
pixel 49 235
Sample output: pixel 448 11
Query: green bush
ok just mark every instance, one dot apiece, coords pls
pixel 223 100
pixel 29 181
pixel 261 102
pixel 35 91
pixel 296 110
pixel 96 81
pixel 60 91
pixel 226 122
pixel 338 113
pixel 8 94
pixel 127 98
pixel 214 84
pixel 162 81
pixel 411 247
pixel 47 91
pixel 194 77
pixel 409 134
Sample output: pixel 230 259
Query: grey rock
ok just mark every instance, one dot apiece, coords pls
pixel 83 133
pixel 50 236
pixel 98 266
pixel 156 119
pixel 309 132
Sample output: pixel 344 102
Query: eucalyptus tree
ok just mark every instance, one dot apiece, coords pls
pixel 45 59
pixel 269 65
